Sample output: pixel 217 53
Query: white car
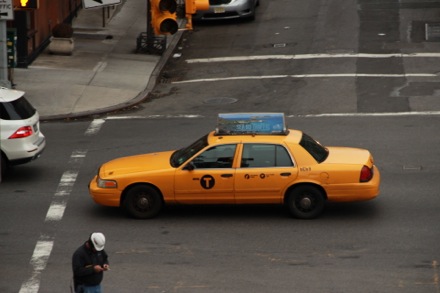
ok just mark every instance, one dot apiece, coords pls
pixel 21 140
pixel 228 9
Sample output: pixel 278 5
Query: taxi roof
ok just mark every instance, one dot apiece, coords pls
pixel 251 123
pixel 293 136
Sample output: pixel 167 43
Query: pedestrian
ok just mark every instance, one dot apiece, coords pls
pixel 89 263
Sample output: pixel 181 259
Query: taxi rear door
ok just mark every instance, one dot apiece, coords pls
pixel 265 172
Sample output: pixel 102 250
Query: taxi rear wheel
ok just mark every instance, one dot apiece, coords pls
pixel 143 202
pixel 305 202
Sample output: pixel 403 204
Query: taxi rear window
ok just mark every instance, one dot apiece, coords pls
pixel 314 148
pixel 16 110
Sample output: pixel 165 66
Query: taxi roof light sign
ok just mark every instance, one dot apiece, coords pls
pixel 251 123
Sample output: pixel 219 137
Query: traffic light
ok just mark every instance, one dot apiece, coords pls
pixel 164 17
pixel 30 4
pixel 191 7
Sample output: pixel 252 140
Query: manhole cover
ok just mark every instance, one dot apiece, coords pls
pixel 220 101
pixel 279 45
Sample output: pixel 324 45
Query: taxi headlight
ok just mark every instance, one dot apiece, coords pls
pixel 103 183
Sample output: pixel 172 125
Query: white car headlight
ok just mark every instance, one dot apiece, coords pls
pixel 102 183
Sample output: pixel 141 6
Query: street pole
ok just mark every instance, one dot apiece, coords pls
pixel 4 81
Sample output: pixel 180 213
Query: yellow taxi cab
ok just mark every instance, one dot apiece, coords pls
pixel 251 158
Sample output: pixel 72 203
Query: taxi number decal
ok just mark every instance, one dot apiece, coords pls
pixel 207 182
pixel 305 169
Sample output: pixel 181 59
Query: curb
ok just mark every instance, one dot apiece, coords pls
pixel 142 96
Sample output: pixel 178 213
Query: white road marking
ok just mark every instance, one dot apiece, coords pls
pixel 311 56
pixel 351 75
pixel 384 114
pixel 94 127
pixel 68 178
pixel 55 212
pixel 78 154
pixel 56 209
pixel 191 116
pixel 39 260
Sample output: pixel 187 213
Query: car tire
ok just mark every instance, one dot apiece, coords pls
pixel 143 202
pixel 305 202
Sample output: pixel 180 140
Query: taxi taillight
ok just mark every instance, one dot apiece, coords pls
pixel 366 174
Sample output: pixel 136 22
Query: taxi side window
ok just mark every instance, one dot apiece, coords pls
pixel 265 155
pixel 221 156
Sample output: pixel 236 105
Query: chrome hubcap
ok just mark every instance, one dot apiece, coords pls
pixel 143 202
pixel 305 203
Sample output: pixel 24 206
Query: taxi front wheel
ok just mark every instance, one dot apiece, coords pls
pixel 305 202
pixel 143 202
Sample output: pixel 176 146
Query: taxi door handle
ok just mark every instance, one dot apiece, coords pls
pixel 286 174
pixel 226 175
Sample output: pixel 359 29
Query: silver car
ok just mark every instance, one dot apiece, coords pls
pixel 228 9
pixel 21 140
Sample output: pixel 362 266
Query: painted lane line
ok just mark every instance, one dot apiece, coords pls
pixel 77 158
pixel 94 127
pixel 384 114
pixel 311 56
pixel 56 211
pixel 78 154
pixel 65 186
pixel 68 178
pixel 344 75
pixel 190 116
pixel 38 261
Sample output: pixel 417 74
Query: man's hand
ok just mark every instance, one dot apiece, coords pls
pixel 98 269
pixel 106 267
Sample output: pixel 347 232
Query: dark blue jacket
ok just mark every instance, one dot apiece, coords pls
pixel 83 261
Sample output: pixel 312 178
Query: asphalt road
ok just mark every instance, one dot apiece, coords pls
pixel 389 244
pixel 307 57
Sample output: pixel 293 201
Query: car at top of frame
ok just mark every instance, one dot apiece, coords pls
pixel 251 158
pixel 228 9
pixel 21 140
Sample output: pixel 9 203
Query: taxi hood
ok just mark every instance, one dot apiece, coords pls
pixel 136 164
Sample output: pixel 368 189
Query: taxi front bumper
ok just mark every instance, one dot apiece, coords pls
pixel 104 196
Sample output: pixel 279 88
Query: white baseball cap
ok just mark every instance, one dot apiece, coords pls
pixel 98 241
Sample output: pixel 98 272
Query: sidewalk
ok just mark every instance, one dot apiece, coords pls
pixel 103 74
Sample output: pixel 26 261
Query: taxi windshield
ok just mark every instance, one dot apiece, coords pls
pixel 181 156
pixel 314 148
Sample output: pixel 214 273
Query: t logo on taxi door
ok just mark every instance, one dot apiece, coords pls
pixel 207 182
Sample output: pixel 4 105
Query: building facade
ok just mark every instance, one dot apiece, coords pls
pixel 33 26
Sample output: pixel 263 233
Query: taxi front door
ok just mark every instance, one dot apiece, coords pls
pixel 209 178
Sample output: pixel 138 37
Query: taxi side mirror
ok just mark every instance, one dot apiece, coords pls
pixel 190 166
